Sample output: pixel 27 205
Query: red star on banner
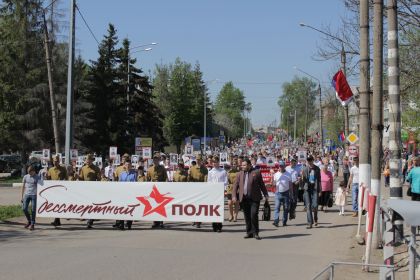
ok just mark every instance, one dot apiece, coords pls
pixel 161 199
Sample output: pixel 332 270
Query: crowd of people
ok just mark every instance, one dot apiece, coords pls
pixel 298 173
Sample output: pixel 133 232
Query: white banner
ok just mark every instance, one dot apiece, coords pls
pixel 46 154
pixel 173 159
pixel 301 155
pixel 74 154
pixel 112 152
pixel 134 159
pixel 149 201
pixel 223 158
pixel 147 152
